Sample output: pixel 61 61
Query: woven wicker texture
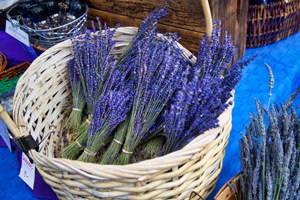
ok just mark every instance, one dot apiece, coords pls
pixel 230 191
pixel 3 62
pixel 271 23
pixel 40 98
pixel 14 71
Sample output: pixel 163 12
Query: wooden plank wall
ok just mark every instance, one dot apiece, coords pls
pixel 186 17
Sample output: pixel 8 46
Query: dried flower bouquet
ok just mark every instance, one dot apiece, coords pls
pixel 151 91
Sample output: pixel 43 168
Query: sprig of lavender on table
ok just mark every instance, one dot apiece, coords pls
pixel 270 153
pixel 93 63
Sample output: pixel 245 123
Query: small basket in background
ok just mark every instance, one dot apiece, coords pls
pixel 273 22
pixel 3 61
pixel 8 81
pixel 231 190
pixel 45 38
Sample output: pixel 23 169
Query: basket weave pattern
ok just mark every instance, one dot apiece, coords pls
pixel 3 61
pixel 271 23
pixel 14 71
pixel 230 190
pixel 40 98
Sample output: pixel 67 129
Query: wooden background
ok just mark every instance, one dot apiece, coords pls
pixel 186 17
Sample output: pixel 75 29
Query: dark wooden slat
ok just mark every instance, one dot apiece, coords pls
pixel 185 14
pixel 186 18
pixel 190 39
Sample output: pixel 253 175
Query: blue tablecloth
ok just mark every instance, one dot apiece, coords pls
pixel 284 59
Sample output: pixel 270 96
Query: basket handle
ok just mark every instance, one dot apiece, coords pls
pixel 24 142
pixel 12 127
pixel 207 16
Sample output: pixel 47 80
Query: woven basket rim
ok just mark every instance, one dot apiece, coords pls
pixel 234 179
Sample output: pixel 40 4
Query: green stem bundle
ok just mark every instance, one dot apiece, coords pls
pixel 111 154
pixel 96 144
pixel 74 119
pixel 74 149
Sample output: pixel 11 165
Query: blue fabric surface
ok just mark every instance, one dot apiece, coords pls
pixel 283 57
pixel 4 135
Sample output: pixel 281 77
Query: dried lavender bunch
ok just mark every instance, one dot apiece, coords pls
pixel 205 91
pixel 74 119
pixel 159 75
pixel 93 62
pixel 109 111
pixel 270 154
pixel 147 27
pixel 115 101
pixel 111 154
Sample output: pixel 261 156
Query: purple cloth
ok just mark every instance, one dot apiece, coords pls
pixel 2 143
pixel 14 50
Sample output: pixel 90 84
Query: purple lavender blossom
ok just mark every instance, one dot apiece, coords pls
pixel 149 25
pixel 159 69
pixel 204 96
pixel 109 111
pixel 275 151
pixel 94 61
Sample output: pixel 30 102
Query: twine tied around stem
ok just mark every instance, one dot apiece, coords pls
pixel 127 152
pixel 90 153
pixel 118 142
pixel 77 109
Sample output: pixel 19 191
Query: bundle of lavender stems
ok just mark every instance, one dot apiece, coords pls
pixel 270 154
pixel 151 98
pixel 270 151
pixel 91 65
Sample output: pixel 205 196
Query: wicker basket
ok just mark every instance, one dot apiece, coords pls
pixel 271 23
pixel 3 61
pixel 14 71
pixel 42 39
pixel 231 190
pixel 6 96
pixel 39 103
